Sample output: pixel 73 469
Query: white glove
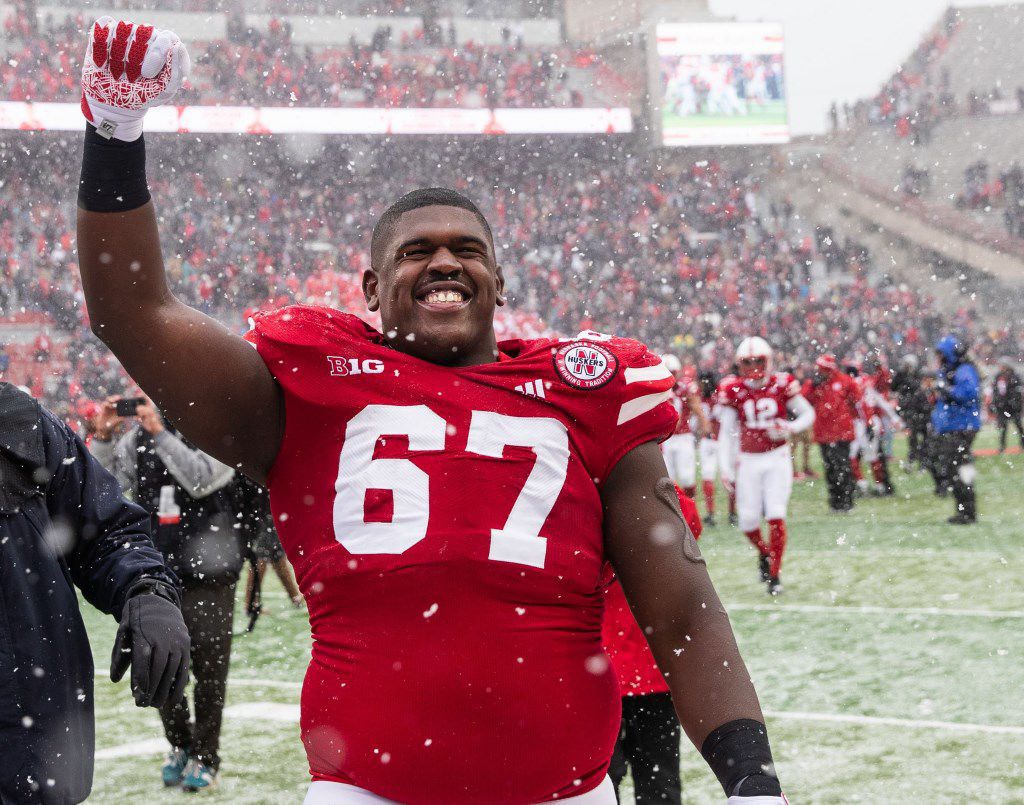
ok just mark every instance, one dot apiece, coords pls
pixel 779 430
pixel 127 69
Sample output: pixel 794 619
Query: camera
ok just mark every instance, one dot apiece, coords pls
pixel 128 406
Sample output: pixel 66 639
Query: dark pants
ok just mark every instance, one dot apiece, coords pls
pixel 208 610
pixel 917 436
pixel 954 468
pixel 649 744
pixel 838 475
pixel 1003 421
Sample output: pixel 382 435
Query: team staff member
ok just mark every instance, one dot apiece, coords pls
pixel 183 489
pixel 956 420
pixel 834 396
pixel 648 742
pixel 64 524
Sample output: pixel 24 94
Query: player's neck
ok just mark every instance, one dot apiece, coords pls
pixel 483 351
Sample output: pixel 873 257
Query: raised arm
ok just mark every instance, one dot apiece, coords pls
pixel 208 380
pixel 671 595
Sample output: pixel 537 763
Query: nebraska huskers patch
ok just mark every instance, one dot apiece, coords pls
pixel 584 365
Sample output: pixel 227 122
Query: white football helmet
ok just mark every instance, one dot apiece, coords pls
pixel 672 363
pixel 754 357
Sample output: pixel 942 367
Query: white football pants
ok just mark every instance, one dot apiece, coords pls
pixel 708 459
pixel 680 451
pixel 322 792
pixel 764 482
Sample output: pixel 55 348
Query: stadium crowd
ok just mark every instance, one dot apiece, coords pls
pixel 266 68
pixel 690 258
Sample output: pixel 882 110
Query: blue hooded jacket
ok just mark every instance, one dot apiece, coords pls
pixel 958 406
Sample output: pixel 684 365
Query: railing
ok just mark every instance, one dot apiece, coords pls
pixel 936 215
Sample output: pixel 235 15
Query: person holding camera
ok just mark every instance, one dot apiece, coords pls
pixel 956 419
pixel 64 524
pixel 184 491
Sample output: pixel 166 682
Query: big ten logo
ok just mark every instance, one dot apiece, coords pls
pixel 343 367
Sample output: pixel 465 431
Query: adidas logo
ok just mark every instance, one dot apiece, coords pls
pixel 535 388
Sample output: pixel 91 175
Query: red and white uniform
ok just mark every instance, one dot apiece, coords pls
pixel 878 413
pixel 764 476
pixel 445 526
pixel 680 449
pixel 709 441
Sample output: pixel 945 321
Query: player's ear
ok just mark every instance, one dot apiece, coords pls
pixel 371 291
pixel 500 279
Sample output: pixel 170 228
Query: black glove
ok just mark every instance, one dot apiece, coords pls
pixel 152 638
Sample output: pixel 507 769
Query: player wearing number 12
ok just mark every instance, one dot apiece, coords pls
pixel 451 504
pixel 759 403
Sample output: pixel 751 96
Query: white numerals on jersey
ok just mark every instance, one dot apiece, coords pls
pixel 761 413
pixel 358 471
pixel 518 541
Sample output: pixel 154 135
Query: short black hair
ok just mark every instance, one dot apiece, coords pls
pixel 424 197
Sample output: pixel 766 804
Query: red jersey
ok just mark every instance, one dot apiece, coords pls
pixel 445 526
pixel 625 643
pixel 836 405
pixel 681 393
pixel 710 406
pixel 759 408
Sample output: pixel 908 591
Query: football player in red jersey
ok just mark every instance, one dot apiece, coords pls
pixel 680 449
pixel 450 504
pixel 758 403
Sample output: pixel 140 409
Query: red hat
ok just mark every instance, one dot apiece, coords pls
pixel 827 363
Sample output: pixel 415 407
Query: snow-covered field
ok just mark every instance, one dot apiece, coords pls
pixel 890 671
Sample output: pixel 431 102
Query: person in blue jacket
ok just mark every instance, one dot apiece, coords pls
pixel 65 524
pixel 956 419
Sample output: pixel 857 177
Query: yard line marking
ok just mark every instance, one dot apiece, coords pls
pixel 145 746
pixel 289 714
pixel 910 723
pixel 875 610
pixel 264 711
pixel 265 683
pixel 843 552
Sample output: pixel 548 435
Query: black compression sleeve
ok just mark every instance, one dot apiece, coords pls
pixel 113 174
pixel 739 755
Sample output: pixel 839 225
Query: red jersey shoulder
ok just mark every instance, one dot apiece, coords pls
pixel 730 390
pixel 309 325
pixel 786 383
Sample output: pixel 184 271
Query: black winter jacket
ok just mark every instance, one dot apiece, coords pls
pixel 63 524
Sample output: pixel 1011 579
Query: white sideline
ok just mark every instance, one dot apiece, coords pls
pixel 910 723
pixel 289 714
pixel 265 683
pixel 874 610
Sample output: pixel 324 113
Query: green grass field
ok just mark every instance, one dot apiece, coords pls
pixel 890 671
pixel 773 114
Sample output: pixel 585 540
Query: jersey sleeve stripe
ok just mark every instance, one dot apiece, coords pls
pixel 641 374
pixel 641 405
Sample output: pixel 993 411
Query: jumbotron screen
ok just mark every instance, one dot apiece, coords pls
pixel 720 83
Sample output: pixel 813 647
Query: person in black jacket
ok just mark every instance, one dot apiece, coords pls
pixel 1007 403
pixel 914 407
pixel 64 523
pixel 186 493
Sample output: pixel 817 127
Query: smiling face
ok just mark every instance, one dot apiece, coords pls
pixel 436 284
